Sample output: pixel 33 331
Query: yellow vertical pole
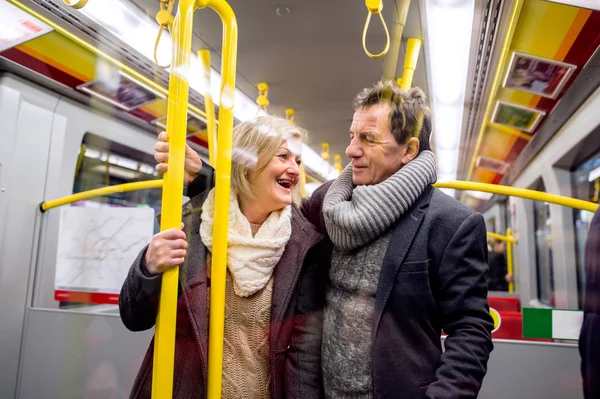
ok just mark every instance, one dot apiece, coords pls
pixel 289 115
pixel 211 128
pixel 509 259
pixel 164 343
pixel 222 191
pixel 399 20
pixel 410 62
pixel 162 377
pixel 302 181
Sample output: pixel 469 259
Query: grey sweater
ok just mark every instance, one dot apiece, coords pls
pixel 348 322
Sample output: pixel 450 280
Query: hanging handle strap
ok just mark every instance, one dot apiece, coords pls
pixel 76 4
pixel 375 7
pixel 165 19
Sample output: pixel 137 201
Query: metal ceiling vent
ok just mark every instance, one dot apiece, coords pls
pixel 488 34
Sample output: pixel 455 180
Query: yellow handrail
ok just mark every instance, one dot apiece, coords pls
pixel 289 115
pixel 223 178
pixel 458 185
pixel 519 192
pixel 209 106
pixel 120 188
pixel 510 240
pixel 390 64
pixel 162 377
pixel 509 259
pixel 501 237
pixel 413 46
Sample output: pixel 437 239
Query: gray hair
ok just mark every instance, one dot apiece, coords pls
pixel 410 116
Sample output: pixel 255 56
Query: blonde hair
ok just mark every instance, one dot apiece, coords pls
pixel 258 141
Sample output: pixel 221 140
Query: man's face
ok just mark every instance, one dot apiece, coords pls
pixel 374 152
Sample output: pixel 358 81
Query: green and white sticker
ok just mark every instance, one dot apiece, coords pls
pixel 552 323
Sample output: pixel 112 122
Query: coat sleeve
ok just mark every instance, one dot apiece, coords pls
pixel 202 182
pixel 464 309
pixel 312 208
pixel 303 362
pixel 138 301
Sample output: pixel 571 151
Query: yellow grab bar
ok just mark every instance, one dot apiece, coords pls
pixel 375 7
pixel 209 106
pixel 119 188
pixel 162 377
pixel 289 115
pixel 501 237
pixel 390 64
pixel 413 48
pixel 519 192
pixel 509 259
pixel 458 185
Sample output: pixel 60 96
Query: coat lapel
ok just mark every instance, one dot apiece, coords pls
pixel 402 237
pixel 288 268
pixel 192 277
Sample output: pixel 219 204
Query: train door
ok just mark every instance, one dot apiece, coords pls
pixel 26 131
pixel 57 348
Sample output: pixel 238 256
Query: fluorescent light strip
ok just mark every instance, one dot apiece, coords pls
pixel 135 28
pixel 449 24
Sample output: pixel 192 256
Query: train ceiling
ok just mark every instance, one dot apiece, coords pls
pixel 309 53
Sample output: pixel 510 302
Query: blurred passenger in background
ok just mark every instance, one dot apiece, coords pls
pixel 498 277
pixel 408 261
pixel 589 339
pixel 275 277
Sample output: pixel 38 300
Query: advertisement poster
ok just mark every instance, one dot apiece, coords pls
pixel 536 75
pixel 492 164
pixel 17 27
pixel 119 90
pixel 517 116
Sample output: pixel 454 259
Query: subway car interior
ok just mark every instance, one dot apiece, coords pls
pixel 86 87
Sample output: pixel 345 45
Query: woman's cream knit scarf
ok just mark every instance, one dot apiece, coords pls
pixel 251 260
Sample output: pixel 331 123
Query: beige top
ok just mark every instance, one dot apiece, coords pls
pixel 246 366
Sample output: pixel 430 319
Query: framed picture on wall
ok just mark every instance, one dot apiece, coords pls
pixel 120 90
pixel 536 75
pixel 495 165
pixel 517 116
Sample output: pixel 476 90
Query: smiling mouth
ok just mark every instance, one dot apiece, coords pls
pixel 284 183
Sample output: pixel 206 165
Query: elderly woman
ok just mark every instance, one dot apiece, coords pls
pixel 275 280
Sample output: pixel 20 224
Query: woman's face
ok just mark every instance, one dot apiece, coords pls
pixel 274 185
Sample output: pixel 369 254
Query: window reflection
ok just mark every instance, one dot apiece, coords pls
pixel 543 251
pixel 586 186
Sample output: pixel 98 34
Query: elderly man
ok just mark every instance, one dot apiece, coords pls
pixel 408 262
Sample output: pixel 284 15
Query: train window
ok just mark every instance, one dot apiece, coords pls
pixel 586 186
pixel 103 163
pixel 543 251
pixel 99 238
